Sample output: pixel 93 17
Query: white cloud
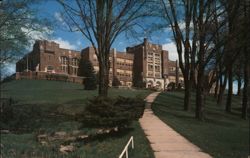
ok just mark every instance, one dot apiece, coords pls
pixel 65 44
pixel 36 35
pixel 79 43
pixel 58 16
pixel 120 43
pixel 172 51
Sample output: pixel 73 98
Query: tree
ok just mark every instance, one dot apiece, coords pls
pixel 185 48
pixel 238 73
pixel 116 82
pixel 86 70
pixel 100 22
pixel 232 47
pixel 246 50
pixel 18 21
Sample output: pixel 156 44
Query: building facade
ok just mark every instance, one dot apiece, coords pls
pixel 152 67
pixel 49 57
pixel 144 65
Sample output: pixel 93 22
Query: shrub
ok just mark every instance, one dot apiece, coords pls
pixel 57 77
pixel 171 86
pixel 111 113
pixel 6 109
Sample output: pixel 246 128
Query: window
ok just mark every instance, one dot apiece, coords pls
pixel 50 68
pixel 172 69
pixel 64 68
pixel 157 68
pixel 64 60
pixel 75 61
pixel 150 67
pixel 150 74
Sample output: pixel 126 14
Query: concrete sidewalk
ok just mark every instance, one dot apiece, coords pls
pixel 165 142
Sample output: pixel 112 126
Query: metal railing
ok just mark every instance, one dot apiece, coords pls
pixel 125 150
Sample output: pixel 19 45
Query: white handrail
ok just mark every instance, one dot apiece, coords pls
pixel 125 150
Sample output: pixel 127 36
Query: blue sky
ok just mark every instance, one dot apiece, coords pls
pixel 75 40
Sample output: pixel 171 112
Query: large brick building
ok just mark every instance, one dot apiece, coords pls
pixel 143 65
pixel 49 57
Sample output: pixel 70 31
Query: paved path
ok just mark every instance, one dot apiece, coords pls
pixel 165 142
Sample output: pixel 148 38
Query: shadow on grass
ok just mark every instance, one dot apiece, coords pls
pixel 27 118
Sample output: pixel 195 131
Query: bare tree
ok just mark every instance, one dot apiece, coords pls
pixel 246 50
pixel 185 40
pixel 100 22
pixel 233 48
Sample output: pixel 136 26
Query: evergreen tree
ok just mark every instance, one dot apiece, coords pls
pixel 116 82
pixel 86 70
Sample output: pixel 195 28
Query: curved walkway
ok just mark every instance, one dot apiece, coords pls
pixel 165 142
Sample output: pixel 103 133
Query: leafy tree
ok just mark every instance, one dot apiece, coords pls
pixel 18 21
pixel 86 70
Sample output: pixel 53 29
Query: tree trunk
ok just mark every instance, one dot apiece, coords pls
pixel 239 86
pixel 246 87
pixel 222 89
pixel 187 94
pixel 230 89
pixel 199 97
pixel 245 90
pixel 103 80
pixel 216 87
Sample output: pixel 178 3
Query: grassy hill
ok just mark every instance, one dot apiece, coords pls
pixel 40 91
pixel 46 107
pixel 221 134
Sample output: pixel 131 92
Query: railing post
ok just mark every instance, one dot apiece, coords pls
pixel 127 153
pixel 125 150
pixel 132 142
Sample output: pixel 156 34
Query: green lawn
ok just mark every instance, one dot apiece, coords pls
pixel 221 134
pixel 46 107
pixel 42 91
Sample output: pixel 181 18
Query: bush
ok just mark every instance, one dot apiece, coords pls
pixel 171 86
pixel 6 110
pixel 111 113
pixel 57 77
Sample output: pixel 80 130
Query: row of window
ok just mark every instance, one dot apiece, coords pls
pixel 73 70
pixel 156 54
pixel 124 74
pixel 151 68
pixel 64 60
pixel 124 64
pixel 151 74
